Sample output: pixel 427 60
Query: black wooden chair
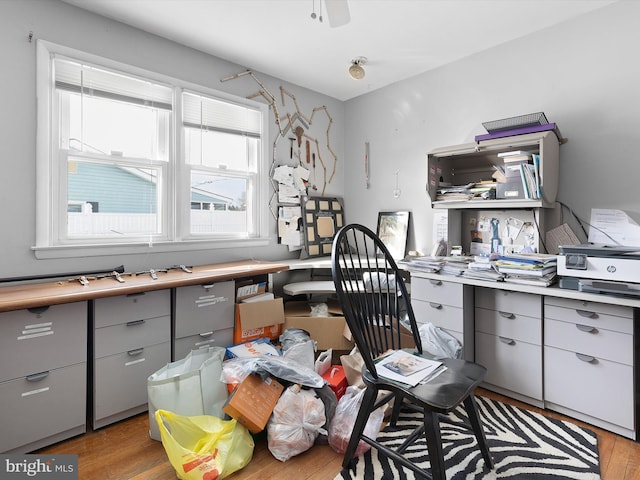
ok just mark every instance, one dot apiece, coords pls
pixel 376 303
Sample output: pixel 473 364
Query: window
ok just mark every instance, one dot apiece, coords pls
pixel 222 152
pixel 131 157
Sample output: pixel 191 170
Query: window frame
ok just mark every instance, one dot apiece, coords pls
pixel 49 171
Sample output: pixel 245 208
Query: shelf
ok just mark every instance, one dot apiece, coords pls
pixel 476 162
pixel 488 204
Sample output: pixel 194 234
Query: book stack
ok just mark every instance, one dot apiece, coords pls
pixel 456 265
pixel 482 267
pixel 454 192
pixel 424 264
pixel 483 190
pixel 528 268
pixel 522 165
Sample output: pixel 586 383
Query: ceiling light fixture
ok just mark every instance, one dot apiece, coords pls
pixel 355 70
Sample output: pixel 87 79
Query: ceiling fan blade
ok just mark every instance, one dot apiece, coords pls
pixel 338 12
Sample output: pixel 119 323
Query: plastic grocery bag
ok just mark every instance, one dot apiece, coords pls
pixel 204 447
pixel 295 423
pixel 438 342
pixel 190 386
pixel 345 419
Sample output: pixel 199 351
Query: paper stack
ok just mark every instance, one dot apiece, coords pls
pixel 528 268
pixel 408 368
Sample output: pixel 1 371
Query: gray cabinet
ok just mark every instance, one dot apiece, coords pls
pixel 589 358
pixel 131 340
pixel 447 305
pixel 508 340
pixel 43 375
pixel 204 317
pixel 472 162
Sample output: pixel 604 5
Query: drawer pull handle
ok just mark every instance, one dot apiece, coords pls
pixel 586 313
pixel 507 341
pixel 507 314
pixel 135 352
pixel 585 358
pixel 437 306
pixel 133 323
pixel 38 310
pixel 36 377
pixel 586 328
pixel 208 286
pixel 205 334
pixel 436 282
pixel 139 294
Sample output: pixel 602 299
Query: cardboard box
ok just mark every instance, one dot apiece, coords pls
pixel 258 319
pixel 336 380
pixel 252 402
pixel 328 332
pixel 246 289
pixel 406 337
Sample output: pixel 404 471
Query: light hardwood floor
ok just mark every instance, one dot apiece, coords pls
pixel 124 451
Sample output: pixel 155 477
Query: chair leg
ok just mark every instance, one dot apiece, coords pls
pixel 395 411
pixel 434 445
pixel 474 417
pixel 368 400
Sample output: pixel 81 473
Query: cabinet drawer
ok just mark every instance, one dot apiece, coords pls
pixel 594 307
pixel 509 325
pixel 120 381
pixel 204 308
pixel 37 409
pixel 441 315
pixel 131 335
pixel 586 340
pixel 34 340
pixel 126 308
pixel 509 302
pixel 588 316
pixel 219 338
pixel 514 365
pixel 600 388
pixel 438 291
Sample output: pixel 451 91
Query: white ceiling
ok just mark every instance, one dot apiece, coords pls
pixel 399 38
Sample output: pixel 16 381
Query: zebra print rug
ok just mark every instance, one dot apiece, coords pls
pixel 523 444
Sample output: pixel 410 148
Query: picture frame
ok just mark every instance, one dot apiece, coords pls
pixel 393 228
pixel 322 218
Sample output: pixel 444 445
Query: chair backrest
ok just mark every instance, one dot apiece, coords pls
pixel 372 294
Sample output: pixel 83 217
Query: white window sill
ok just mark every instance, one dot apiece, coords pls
pixel 71 251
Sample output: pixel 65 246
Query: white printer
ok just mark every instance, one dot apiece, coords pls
pixel 600 269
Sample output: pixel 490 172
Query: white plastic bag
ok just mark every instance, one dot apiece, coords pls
pixel 344 420
pixel 297 420
pixel 190 386
pixel 353 364
pixel 438 342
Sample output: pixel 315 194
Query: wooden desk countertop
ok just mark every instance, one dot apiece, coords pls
pixel 33 295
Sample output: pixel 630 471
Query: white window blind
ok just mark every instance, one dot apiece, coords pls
pixel 211 114
pixel 99 82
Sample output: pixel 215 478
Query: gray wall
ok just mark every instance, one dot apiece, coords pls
pixel 584 74
pixel 64 24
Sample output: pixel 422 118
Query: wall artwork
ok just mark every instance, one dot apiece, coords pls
pixel 295 126
pixel 322 218
pixel 392 230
